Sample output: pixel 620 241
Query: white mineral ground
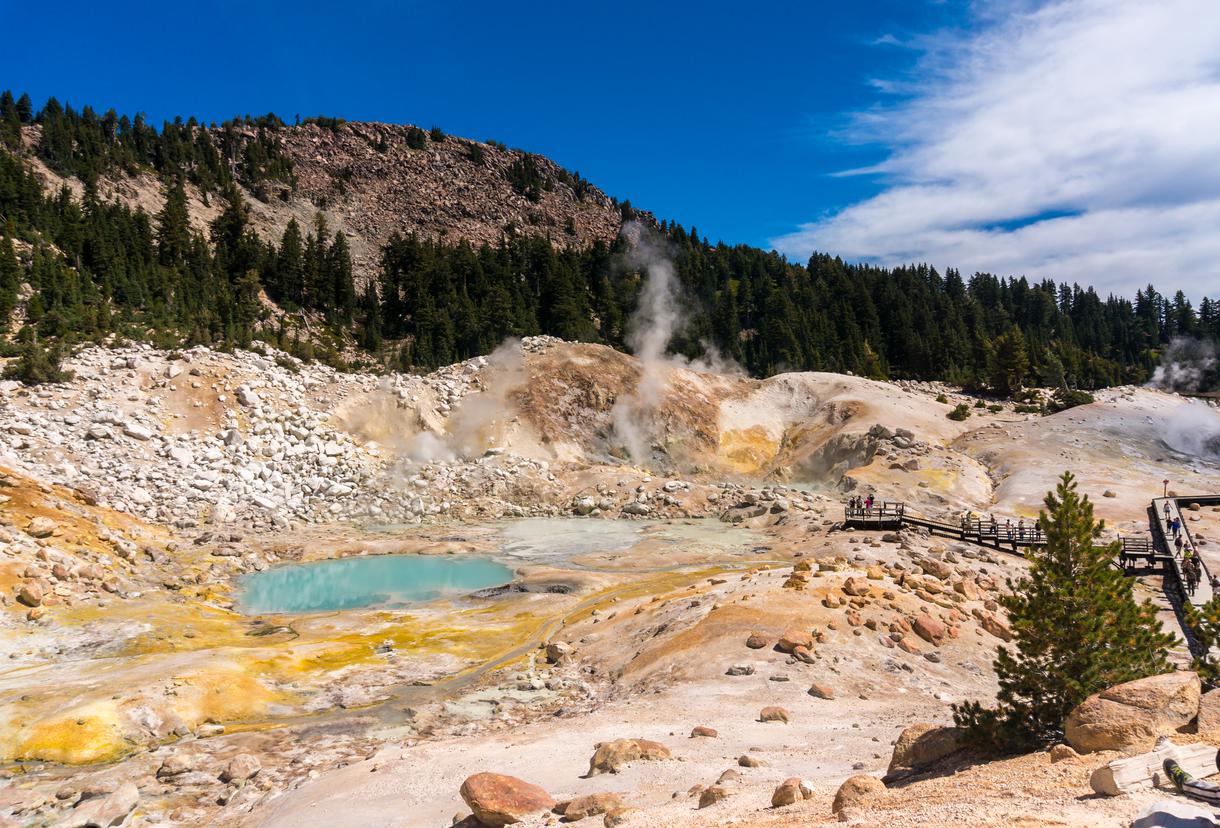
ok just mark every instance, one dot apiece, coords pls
pixel 135 495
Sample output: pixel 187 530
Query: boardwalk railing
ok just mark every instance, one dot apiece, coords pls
pixel 992 533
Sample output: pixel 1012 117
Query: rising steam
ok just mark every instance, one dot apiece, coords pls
pixel 1187 366
pixel 657 319
pixel 1194 429
pixel 481 419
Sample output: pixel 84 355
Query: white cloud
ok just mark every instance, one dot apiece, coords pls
pixel 1078 141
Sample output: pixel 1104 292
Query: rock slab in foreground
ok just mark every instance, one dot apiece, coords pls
pixel 1130 716
pixel 499 800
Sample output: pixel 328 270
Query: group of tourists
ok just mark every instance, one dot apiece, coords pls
pixel 989 526
pixel 858 504
pixel 1192 570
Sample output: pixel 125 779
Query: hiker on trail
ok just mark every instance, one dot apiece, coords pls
pixel 1187 785
pixel 1177 542
pixel 1166 510
pixel 1176 526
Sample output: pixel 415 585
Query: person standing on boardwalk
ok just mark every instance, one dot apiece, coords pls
pixel 1166 510
pixel 1177 542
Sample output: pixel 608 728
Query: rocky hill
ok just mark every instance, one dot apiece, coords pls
pixel 368 181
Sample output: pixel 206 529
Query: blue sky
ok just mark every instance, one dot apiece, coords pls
pixel 703 112
pixel 1071 139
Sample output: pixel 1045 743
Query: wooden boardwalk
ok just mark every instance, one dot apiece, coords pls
pixel 1155 553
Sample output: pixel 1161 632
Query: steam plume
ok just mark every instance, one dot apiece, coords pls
pixel 657 319
pixel 1187 365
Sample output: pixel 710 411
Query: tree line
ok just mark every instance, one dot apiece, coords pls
pixel 98 269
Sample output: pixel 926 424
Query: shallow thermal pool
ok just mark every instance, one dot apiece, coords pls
pixel 382 581
pixel 391 581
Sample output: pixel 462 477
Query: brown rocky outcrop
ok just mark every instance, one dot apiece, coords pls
pixel 499 800
pixel 611 757
pixel 1131 716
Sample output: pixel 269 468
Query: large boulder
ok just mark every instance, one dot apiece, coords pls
pixel 503 800
pixel 920 746
pixel 860 791
pixel 611 757
pixel 1130 716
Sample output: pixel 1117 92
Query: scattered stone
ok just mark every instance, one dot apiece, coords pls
pixel 1059 753
pixel 589 805
pixel 756 642
pixel 790 791
pixel 773 713
pixel 821 691
pixel 706 732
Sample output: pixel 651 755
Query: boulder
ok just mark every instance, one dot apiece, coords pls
pixel 938 569
pixel 995 626
pixel 748 761
pixel 921 745
pixel 589 805
pixel 790 791
pixel 856 585
pixel 1130 716
pixel 1060 753
pixel 104 811
pixel 175 765
pixel 617 817
pixel 859 791
pixel 1209 715
pixel 756 641
pixel 557 651
pixel 703 731
pixel 929 629
pixel 240 768
pixel 611 757
pixel 821 691
pixel 30 593
pixel 791 639
pixel 773 713
pixel 499 800
pixel 712 795
pixel 40 527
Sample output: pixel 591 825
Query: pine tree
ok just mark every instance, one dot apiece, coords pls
pixel 10 280
pixel 1077 630
pixel 35 364
pixel 1204 623
pixel 1007 362
pixel 173 228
